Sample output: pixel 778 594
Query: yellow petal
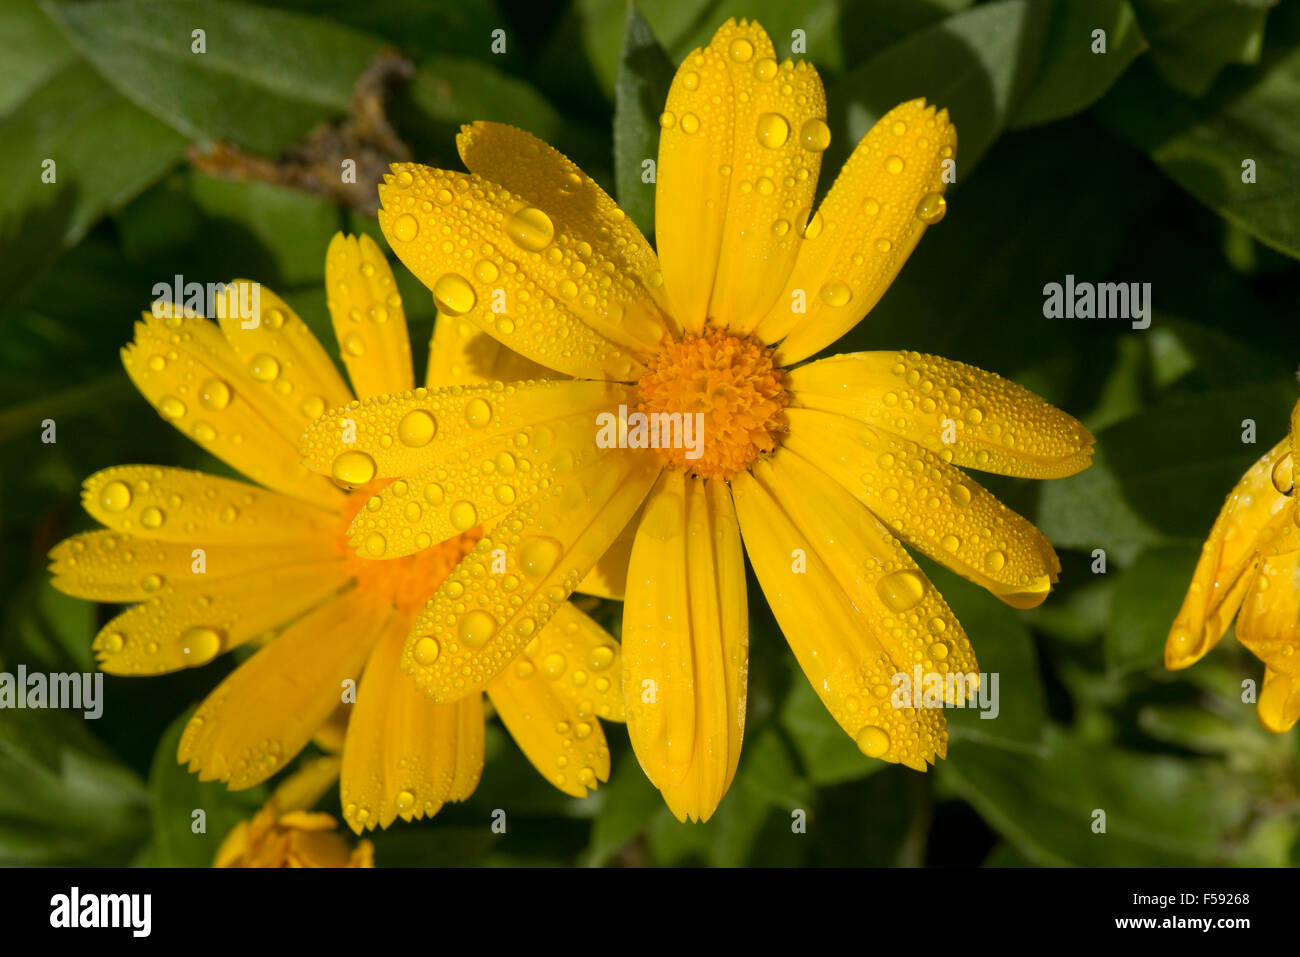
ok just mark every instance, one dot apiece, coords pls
pixel 970 417
pixel 186 627
pixel 846 614
pixel 930 504
pixel 480 484
pixel 179 505
pixel 686 643
pixel 1251 517
pixel 608 579
pixel 282 357
pixel 552 694
pixel 739 152
pixel 479 620
pixel 549 180
pixel 460 353
pixel 890 189
pixel 369 320
pixel 1269 620
pixel 266 710
pixel 406 756
pixel 308 784
pixel 1279 701
pixel 187 370
pixel 401 435
pixel 112 567
pixel 513 271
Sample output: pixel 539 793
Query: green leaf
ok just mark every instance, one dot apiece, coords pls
pixel 1192 40
pixel 628 803
pixel 266 78
pixel 1159 811
pixel 32 48
pixel 1147 598
pixel 1204 145
pixel 177 794
pixel 64 801
pixel 644 75
pixel 827 754
pixel 1003 647
pixel 1160 477
pixel 1073 76
pixel 69 120
pixel 977 64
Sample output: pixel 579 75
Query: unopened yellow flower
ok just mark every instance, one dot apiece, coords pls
pixel 213 563
pixel 284 833
pixel 1250 568
pixel 816 466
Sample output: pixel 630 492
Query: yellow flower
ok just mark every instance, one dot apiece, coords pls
pixel 816 466
pixel 285 834
pixel 215 563
pixel 1250 568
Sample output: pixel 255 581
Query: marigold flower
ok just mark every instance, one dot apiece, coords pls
pixel 1250 569
pixel 816 467
pixel 213 563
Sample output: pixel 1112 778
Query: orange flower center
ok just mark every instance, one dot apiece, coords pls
pixel 406 583
pixel 713 404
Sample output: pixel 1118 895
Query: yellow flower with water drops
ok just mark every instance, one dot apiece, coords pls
pixel 286 833
pixel 818 468
pixel 1250 568
pixel 210 564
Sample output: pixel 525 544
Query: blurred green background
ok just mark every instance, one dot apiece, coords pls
pixel 1123 166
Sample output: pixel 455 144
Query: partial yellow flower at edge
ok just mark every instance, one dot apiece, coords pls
pixel 285 833
pixel 815 468
pixel 208 564
pixel 1250 568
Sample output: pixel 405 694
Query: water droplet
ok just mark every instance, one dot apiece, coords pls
pixel 476 628
pixel 463 516
pixel 404 802
pixel 114 642
pixel 478 413
pixel 813 226
pixel 214 394
pixel 453 294
pixel 199 645
pixel 426 650
pixel 741 50
pixel 405 228
pixel 353 468
pixel 374 545
pixel 765 69
pixel 667 120
pixel 773 130
pixel 313 406
pixel 264 367
pixel 690 123
pixel 895 164
pixel 601 657
pixel 538 555
pixel 171 407
pixel 836 294
pixel 901 590
pixel 152 517
pixel 486 271
pixel 932 208
pixel 115 497
pixel 554 664
pixel 995 560
pixel 417 428
pixel 873 741
pixel 691 81
pixel 815 135
pixel 531 229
